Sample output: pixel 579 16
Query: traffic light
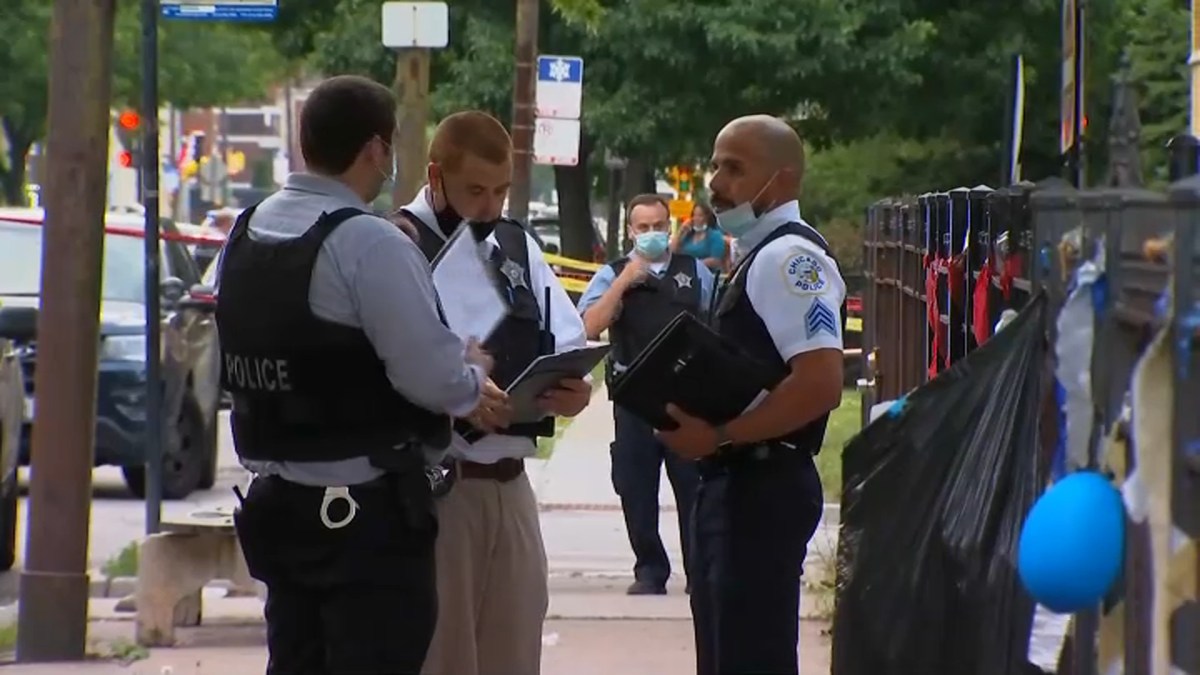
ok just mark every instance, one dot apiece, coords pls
pixel 684 185
pixel 129 124
pixel 129 120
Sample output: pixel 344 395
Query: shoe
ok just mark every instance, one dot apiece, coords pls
pixel 687 590
pixel 646 588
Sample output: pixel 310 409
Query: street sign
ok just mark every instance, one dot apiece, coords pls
pixel 415 24
pixel 559 87
pixel 221 10
pixel 556 142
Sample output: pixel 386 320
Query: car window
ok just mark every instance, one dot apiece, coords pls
pixel 122 273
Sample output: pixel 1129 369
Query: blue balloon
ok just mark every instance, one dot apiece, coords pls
pixel 1073 543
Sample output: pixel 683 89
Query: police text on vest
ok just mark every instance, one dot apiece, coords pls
pixel 257 373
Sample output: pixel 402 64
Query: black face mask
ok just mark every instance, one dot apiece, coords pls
pixel 449 219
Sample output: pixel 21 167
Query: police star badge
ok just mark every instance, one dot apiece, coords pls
pixel 682 280
pixel 514 273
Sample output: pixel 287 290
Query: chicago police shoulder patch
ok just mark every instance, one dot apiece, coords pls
pixel 805 274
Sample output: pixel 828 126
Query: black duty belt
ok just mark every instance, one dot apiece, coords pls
pixel 504 471
pixel 745 454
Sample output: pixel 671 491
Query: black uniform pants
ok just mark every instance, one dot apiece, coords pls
pixel 356 600
pixel 754 518
pixel 637 460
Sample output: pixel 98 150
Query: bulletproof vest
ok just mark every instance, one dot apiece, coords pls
pixel 522 336
pixel 648 307
pixel 736 319
pixel 304 389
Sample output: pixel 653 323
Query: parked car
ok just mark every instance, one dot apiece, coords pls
pixel 13 413
pixel 546 231
pixel 190 365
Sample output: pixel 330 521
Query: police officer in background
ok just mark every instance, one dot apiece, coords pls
pixel 340 372
pixel 760 496
pixel 492 574
pixel 634 298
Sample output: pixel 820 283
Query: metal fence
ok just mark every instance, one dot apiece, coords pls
pixel 941 269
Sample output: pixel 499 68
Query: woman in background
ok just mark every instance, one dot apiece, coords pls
pixel 702 239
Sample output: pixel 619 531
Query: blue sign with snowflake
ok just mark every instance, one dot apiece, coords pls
pixel 560 87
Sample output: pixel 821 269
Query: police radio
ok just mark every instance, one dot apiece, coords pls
pixel 546 345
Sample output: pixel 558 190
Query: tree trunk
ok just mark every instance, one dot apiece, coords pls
pixel 12 179
pixel 576 232
pixel 638 179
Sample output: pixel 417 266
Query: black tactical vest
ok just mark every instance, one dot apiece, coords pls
pixel 648 307
pixel 736 319
pixel 304 389
pixel 521 337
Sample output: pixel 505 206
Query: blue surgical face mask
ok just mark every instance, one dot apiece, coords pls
pixel 651 245
pixel 741 219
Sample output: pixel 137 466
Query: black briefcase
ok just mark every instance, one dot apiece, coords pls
pixel 695 368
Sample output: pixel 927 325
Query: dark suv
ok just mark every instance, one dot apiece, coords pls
pixel 190 365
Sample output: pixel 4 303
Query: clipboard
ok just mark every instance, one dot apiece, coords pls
pixel 544 373
pixel 691 365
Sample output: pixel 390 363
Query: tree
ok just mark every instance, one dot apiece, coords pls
pixel 1157 39
pixel 23 95
pixel 200 64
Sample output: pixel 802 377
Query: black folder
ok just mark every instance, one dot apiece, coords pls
pixel 703 373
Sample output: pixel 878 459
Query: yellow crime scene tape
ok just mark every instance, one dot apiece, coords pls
pixel 572 281
pixel 577 282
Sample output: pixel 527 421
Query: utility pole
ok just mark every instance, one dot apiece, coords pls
pixel 150 163
pixel 523 121
pixel 413 29
pixel 411 144
pixel 52 617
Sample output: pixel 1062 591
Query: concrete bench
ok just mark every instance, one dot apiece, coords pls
pixel 176 564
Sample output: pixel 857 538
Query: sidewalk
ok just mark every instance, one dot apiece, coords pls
pixel 592 627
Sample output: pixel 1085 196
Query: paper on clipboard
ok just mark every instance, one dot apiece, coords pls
pixel 470 302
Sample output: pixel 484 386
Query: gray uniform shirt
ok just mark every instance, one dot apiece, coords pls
pixel 370 275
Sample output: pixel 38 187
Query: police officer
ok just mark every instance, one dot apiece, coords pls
pixel 760 497
pixel 340 372
pixel 492 574
pixel 634 298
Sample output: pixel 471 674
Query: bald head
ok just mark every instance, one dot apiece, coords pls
pixel 777 143
pixel 757 159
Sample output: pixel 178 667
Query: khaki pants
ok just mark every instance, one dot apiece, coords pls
pixel 491 581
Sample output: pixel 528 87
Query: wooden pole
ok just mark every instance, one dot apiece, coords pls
pixel 523 113
pixel 411 145
pixel 52 616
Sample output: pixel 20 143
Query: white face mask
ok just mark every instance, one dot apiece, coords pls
pixel 741 218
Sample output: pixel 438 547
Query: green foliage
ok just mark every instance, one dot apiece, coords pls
pixel 200 63
pixel 23 99
pixel 1157 35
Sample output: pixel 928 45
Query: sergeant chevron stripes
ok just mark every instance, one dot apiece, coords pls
pixel 820 319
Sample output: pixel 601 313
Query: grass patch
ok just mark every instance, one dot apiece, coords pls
pixel 545 446
pixel 124 652
pixel 844 424
pixel 124 563
pixel 8 638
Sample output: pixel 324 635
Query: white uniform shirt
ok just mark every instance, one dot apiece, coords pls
pixel 795 287
pixel 565 323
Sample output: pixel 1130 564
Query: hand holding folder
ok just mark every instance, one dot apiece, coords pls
pixel 701 372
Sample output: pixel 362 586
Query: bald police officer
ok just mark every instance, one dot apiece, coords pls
pixel 634 298
pixel 760 497
pixel 341 372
